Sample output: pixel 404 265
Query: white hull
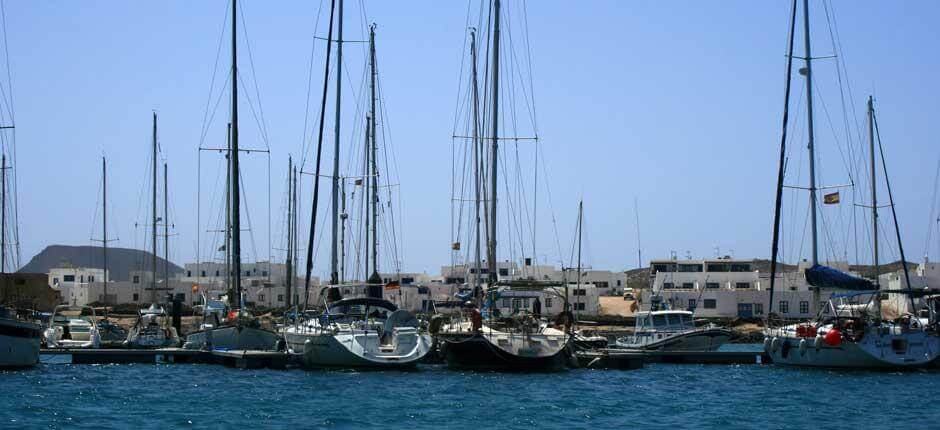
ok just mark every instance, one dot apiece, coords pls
pixel 876 349
pixel 702 339
pixel 357 349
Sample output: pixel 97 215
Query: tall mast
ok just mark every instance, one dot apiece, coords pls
pixel 580 228
pixel 366 195
pixel 781 164
pixel 476 157
pixel 290 227
pixel 104 223
pixel 374 277
pixel 3 214
pixel 342 236
pixel 166 231
pixel 236 197
pixel 334 273
pixel 153 237
pixel 809 126
pixel 293 271
pixel 494 149
pixel 316 176
pixel 228 209
pixel 874 188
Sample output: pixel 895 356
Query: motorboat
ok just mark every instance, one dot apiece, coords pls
pixel 111 334
pixel 72 327
pixel 19 340
pixel 152 330
pixel 363 332
pixel 673 330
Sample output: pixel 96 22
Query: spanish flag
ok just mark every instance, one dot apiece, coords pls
pixel 831 199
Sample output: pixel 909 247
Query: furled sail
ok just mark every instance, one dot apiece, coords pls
pixel 826 277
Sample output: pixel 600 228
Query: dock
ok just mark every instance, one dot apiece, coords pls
pixel 231 358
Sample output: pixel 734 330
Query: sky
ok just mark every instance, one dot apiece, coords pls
pixel 673 104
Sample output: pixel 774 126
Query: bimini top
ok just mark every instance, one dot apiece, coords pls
pixel 826 277
pixel 344 305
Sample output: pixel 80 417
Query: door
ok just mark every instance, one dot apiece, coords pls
pixel 745 310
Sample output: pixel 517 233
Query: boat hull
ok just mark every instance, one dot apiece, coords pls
pixel 477 351
pixel 874 351
pixel 702 339
pixel 233 338
pixel 19 344
pixel 323 349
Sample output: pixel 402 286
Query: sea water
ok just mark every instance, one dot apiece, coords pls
pixel 660 396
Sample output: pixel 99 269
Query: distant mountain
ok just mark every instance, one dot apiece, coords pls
pixel 121 261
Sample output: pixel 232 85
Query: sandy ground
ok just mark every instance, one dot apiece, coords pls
pixel 616 306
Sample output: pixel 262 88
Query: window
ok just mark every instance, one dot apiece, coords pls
pixel 260 297
pixel 688 285
pixel 473 270
pixel 668 285
pixel 824 306
pixel 264 273
pixel 618 282
pixel 55 281
pixel 189 273
pixel 712 285
pixel 804 307
pixel 548 302
pixel 91 278
pixel 691 304
pixel 507 303
pixel 742 285
pixel 136 297
pixel 407 280
pixel 248 273
pixel 503 272
pixel 717 267
pixel 280 297
pixel 81 279
pixel 710 303
pixel 516 304
pixel 136 281
pixel 68 278
pixel 690 268
pixel 579 306
pixel 784 307
pixel 664 268
pixel 204 274
pixel 739 267
pixel 602 284
pixel 580 292
pixel 216 273
pixel 758 308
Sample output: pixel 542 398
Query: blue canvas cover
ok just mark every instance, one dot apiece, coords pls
pixel 826 277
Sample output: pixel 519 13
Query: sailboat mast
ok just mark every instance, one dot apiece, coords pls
pixel 153 237
pixel 366 195
pixel 874 189
pixel 476 157
pixel 494 148
pixel 293 227
pixel 228 209
pixel 3 214
pixel 334 273
pixel 374 277
pixel 236 197
pixel 104 223
pixel 166 231
pixel 580 228
pixel 775 242
pixel 809 126
pixel 290 227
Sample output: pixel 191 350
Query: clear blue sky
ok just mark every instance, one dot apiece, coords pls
pixel 677 103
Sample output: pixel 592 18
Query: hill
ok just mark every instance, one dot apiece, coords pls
pixel 121 261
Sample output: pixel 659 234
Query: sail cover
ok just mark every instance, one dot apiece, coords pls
pixel 826 277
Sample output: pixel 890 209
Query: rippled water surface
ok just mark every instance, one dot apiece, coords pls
pixel 658 396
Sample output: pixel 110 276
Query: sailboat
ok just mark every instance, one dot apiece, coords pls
pixel 850 331
pixel 520 342
pixel 363 331
pixel 239 330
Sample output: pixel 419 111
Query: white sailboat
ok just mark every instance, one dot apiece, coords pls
pixel 357 332
pixel 850 331
pixel 238 329
pixel 152 330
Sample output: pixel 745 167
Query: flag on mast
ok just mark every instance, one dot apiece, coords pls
pixel 831 199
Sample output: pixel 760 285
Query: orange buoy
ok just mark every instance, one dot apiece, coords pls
pixel 833 338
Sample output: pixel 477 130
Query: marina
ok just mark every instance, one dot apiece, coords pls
pixel 482 265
